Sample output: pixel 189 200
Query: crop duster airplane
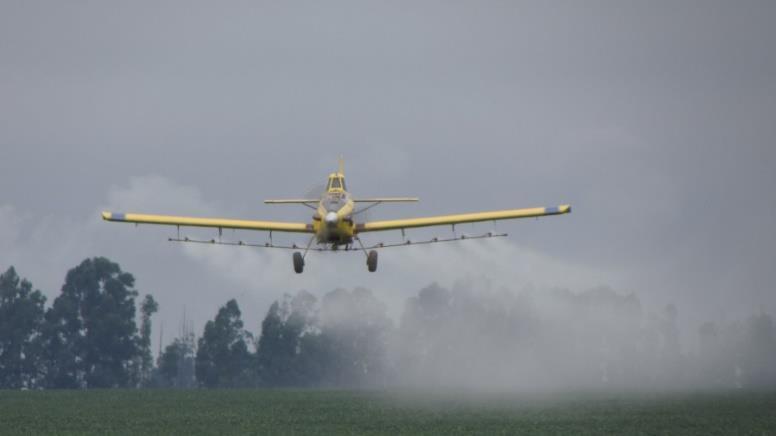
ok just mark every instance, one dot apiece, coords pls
pixel 335 224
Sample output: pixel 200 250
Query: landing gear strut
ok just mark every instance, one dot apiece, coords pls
pixel 371 261
pixel 298 262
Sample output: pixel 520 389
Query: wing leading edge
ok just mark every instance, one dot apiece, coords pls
pixel 184 221
pixel 386 200
pixel 376 226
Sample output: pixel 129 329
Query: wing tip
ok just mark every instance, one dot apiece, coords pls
pixel 558 210
pixel 113 216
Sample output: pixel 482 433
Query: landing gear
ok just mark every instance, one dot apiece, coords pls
pixel 371 261
pixel 299 257
pixel 371 257
pixel 298 262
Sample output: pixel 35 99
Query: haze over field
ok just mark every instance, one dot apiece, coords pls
pixel 655 123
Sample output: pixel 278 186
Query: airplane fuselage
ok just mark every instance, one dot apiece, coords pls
pixel 333 220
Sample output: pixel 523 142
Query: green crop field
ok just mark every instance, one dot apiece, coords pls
pixel 191 412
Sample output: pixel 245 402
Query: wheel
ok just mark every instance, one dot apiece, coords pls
pixel 371 261
pixel 298 262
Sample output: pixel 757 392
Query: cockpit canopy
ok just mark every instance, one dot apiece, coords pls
pixel 336 183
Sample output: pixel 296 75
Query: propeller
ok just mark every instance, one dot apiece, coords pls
pixel 315 191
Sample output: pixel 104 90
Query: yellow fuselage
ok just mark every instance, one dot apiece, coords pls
pixel 333 220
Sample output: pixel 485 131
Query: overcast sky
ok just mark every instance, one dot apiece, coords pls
pixel 655 120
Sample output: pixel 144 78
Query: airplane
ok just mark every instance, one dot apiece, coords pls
pixel 335 225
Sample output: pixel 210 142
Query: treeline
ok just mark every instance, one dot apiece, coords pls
pixel 341 342
pixel 466 336
pixel 472 336
pixel 88 337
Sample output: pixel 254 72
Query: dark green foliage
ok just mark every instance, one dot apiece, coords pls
pixel 282 360
pixel 343 344
pixel 147 308
pixel 320 412
pixel 466 336
pixel 21 321
pixel 223 358
pixel 176 364
pixel 90 337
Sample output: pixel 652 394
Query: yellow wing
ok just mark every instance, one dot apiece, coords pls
pixel 386 200
pixel 376 226
pixel 185 221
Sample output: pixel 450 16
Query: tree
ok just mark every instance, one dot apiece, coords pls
pixel 21 320
pixel 176 363
pixel 343 344
pixel 223 359
pixel 90 336
pixel 279 352
pixel 274 352
pixel 147 308
pixel 354 331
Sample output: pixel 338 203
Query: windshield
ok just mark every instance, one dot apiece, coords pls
pixel 337 183
pixel 334 201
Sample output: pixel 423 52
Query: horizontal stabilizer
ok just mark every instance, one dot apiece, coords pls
pixel 293 201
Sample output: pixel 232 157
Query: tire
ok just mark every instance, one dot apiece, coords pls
pixel 371 261
pixel 298 262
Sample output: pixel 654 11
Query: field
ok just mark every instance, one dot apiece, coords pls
pixel 357 412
